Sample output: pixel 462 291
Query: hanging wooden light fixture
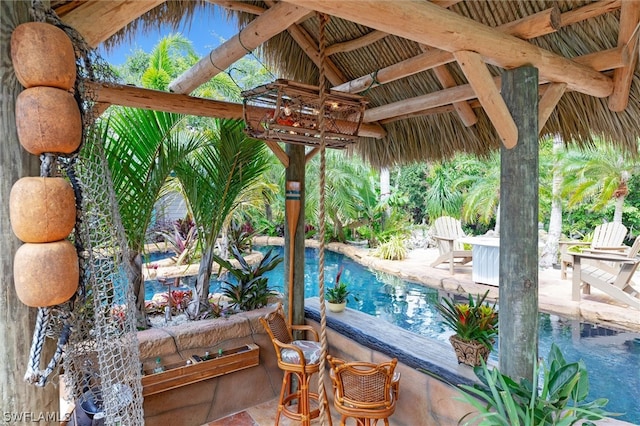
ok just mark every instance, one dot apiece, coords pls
pixel 286 111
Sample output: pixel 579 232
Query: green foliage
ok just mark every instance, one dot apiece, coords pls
pixel 442 197
pixel 471 321
pixel 250 289
pixel 411 181
pixel 394 248
pixel 558 401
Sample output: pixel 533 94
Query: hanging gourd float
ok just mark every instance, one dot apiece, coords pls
pixel 46 274
pixel 42 209
pixel 48 120
pixel 43 55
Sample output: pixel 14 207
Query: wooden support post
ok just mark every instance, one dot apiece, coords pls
pixel 16 319
pixel 519 228
pixel 296 172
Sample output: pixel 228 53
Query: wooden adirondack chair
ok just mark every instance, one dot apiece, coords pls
pixel 597 274
pixel 606 237
pixel 446 231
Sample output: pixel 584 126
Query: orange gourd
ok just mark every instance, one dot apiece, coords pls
pixel 42 209
pixel 43 55
pixel 48 120
pixel 46 274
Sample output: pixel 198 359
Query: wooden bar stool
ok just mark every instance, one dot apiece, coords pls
pixel 299 359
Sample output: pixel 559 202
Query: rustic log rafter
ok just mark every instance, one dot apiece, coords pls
pixel 462 108
pixel 535 25
pixel 278 152
pixel 273 21
pixel 548 102
pixel 356 43
pixel 99 20
pixel 239 6
pixel 437 57
pixel 311 153
pixel 424 105
pixel 489 96
pixel 310 47
pixel 628 36
pixel 137 97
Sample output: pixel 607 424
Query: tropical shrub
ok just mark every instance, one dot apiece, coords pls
pixel 395 248
pixel 250 289
pixel 558 400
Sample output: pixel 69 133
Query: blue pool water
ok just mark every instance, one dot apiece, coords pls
pixel 612 357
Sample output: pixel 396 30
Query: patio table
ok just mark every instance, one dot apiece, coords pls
pixel 485 267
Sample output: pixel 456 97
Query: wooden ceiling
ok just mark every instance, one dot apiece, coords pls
pixel 430 67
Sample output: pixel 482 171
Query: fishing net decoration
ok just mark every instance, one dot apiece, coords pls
pixel 96 330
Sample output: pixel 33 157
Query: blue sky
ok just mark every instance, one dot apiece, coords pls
pixel 207 31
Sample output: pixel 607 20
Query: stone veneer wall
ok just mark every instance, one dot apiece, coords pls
pixel 211 399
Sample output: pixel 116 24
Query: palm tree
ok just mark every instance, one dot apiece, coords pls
pixel 599 174
pixel 549 254
pixel 142 148
pixel 212 179
pixel 482 200
pixel 167 60
pixel 442 197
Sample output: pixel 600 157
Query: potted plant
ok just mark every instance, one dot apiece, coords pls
pixel 338 294
pixel 475 325
pixel 558 400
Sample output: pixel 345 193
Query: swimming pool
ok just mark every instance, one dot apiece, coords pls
pixel 612 357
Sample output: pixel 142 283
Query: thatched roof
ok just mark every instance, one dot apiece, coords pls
pixel 438 132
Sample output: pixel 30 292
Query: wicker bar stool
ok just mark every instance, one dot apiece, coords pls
pixel 364 391
pixel 299 359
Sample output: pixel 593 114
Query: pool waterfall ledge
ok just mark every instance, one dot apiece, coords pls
pixel 426 398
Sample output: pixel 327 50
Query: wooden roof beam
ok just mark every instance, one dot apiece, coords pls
pixel 421 105
pixel 356 43
pixel 98 20
pixel 408 19
pixel 239 6
pixel 278 152
pixel 528 27
pixel 548 102
pixel 462 108
pixel 414 65
pixel 489 96
pixel 589 11
pixel 271 22
pixel 310 48
pixel 628 36
pixel 137 97
pixel 445 3
pixel 532 26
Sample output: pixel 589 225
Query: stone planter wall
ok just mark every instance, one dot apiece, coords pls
pixel 198 403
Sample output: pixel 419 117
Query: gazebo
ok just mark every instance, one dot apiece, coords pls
pixel 440 77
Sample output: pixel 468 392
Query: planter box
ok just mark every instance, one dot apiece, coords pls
pixel 182 374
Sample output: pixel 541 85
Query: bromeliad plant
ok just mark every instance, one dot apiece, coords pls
pixel 340 292
pixel 471 321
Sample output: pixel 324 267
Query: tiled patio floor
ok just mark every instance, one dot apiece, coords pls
pixel 264 415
